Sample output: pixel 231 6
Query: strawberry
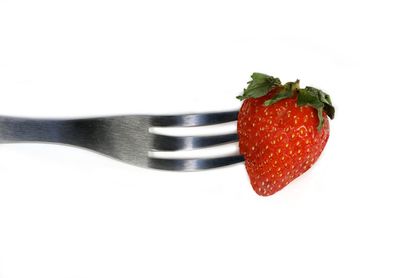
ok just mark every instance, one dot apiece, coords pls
pixel 282 130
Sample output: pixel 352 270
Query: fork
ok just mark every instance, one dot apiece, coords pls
pixel 128 138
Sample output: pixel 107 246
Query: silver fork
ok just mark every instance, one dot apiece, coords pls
pixel 127 138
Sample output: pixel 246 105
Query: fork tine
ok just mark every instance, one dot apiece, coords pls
pixel 193 164
pixel 173 143
pixel 194 119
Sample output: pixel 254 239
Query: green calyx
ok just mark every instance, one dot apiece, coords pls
pixel 319 101
pixel 262 84
pixel 259 85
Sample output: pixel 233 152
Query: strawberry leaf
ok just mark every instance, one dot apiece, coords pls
pixel 259 86
pixel 317 99
pixel 328 107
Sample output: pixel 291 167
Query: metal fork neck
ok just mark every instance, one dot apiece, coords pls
pixel 125 138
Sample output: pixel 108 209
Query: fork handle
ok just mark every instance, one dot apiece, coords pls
pixel 13 130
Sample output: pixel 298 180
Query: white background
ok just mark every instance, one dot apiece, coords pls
pixel 66 212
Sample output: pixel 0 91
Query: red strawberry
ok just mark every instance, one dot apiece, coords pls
pixel 282 131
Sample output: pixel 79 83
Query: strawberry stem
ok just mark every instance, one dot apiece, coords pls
pixel 287 91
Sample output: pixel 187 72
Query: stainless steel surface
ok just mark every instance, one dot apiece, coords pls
pixel 127 138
